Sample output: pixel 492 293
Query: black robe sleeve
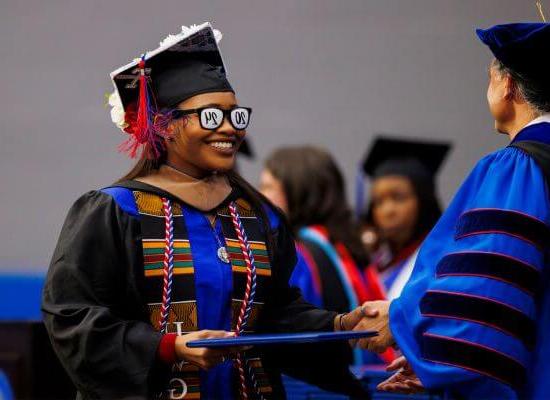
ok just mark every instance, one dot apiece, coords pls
pixel 90 304
pixel 325 365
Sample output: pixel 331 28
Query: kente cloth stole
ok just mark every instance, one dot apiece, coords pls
pixel 183 316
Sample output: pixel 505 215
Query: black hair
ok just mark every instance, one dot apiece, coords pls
pixel 315 191
pixel 531 90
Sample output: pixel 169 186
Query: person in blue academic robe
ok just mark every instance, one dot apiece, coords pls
pixel 474 317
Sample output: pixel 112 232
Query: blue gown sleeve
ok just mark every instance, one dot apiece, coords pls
pixel 466 320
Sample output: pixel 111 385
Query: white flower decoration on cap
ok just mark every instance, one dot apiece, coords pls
pixel 117 111
pixel 188 31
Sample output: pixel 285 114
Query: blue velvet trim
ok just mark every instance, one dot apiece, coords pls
pixel 473 357
pixel 124 198
pixel 495 266
pixel 481 310
pixel 538 133
pixel 274 219
pixel 513 223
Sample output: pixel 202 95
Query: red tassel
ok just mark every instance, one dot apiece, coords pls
pixel 139 126
pixel 141 129
pixel 145 126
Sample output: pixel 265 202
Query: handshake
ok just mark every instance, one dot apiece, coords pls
pixel 371 316
pixel 374 316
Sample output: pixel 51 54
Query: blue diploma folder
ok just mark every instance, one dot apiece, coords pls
pixel 281 338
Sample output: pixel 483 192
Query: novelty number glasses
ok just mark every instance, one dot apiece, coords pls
pixel 212 118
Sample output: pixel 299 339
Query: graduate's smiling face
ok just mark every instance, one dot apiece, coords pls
pixel 500 95
pixel 198 151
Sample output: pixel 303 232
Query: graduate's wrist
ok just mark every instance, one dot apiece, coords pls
pixel 166 351
pixel 180 347
pixel 339 322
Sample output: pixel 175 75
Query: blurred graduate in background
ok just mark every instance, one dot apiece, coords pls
pixel 306 183
pixel 403 205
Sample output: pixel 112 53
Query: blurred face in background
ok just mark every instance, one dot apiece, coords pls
pixel 395 208
pixel 272 188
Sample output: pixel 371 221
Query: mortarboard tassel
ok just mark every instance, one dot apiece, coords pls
pixel 539 7
pixel 142 129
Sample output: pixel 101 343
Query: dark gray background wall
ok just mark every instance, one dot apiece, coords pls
pixel 329 72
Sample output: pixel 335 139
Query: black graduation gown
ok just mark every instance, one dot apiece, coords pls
pixel 96 313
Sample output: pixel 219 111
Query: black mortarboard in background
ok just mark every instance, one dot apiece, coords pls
pixel 419 160
pixel 395 156
pixel 246 149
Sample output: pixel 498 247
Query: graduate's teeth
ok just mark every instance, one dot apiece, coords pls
pixel 222 145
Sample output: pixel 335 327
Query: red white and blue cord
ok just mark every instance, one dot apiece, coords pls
pixel 249 295
pixel 168 264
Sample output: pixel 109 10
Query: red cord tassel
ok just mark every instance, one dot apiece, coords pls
pixel 141 128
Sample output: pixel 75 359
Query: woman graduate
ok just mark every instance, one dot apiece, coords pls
pixel 179 249
pixel 403 205
pixel 474 317
pixel 307 184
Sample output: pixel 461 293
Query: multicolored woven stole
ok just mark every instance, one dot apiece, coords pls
pixel 170 288
pixel 169 284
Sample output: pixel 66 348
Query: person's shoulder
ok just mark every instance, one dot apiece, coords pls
pixel 506 161
pixel 496 155
pixel 123 197
pixel 500 183
pixel 117 197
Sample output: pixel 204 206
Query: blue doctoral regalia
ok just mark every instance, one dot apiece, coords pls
pixel 474 316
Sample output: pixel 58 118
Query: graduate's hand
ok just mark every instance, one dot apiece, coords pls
pixel 376 318
pixel 203 357
pixel 403 381
pixel 348 321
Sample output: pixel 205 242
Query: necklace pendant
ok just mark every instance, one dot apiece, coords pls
pixel 222 255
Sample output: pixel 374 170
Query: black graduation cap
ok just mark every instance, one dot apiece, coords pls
pixel 419 160
pixel 522 47
pixel 184 65
pixel 404 156
pixel 246 149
